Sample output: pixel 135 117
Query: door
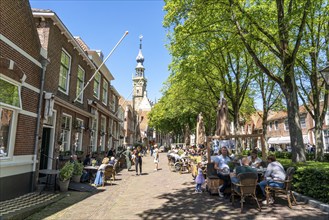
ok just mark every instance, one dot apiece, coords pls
pixel 44 153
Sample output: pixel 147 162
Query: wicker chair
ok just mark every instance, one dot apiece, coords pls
pixel 286 190
pixel 109 174
pixel 245 187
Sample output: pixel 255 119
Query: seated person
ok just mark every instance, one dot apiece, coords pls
pixel 3 152
pixel 112 161
pixel 87 161
pixel 100 172
pixel 274 172
pixel 223 170
pixel 255 161
pixel 245 168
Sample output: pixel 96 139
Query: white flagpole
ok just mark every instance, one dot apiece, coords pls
pixel 125 34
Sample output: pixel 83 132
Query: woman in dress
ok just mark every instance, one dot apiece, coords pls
pixel 100 171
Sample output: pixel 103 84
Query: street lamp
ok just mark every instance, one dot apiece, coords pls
pixel 325 73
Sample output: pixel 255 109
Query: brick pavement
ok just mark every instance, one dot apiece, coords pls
pixel 166 195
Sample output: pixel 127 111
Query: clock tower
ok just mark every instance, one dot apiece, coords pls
pixel 139 80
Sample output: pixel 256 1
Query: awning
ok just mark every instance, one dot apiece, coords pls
pixel 284 140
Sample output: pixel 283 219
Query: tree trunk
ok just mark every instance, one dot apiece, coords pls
pixel 318 140
pixel 296 136
pixel 264 125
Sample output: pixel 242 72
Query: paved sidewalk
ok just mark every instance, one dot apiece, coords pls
pixel 165 195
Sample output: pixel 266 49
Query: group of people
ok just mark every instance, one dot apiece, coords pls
pixel 273 176
pixel 135 157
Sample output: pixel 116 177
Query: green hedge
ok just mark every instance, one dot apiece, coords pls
pixel 288 155
pixel 311 178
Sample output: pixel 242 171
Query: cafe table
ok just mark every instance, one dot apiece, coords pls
pixel 49 173
pixel 92 170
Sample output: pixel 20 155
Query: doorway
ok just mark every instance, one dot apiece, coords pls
pixel 44 152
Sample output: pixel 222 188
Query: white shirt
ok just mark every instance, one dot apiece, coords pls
pixel 257 161
pixel 275 171
pixel 223 161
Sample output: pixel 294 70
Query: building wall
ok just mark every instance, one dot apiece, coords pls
pixel 54 41
pixel 19 42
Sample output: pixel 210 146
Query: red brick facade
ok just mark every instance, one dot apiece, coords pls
pixel 20 66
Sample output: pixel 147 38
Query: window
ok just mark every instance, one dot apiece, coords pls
pixel 64 72
pixel 286 125
pixel 103 133
pixel 270 126
pixel 7 117
pixel 97 80
pixel 113 102
pixel 303 121
pixel 10 94
pixel 66 132
pixel 93 138
pixel 105 92
pixel 327 117
pixel 79 134
pixel 276 125
pixel 80 83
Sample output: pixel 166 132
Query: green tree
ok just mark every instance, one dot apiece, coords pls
pixel 311 57
pixel 274 26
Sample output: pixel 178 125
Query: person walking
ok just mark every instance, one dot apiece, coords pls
pixel 138 160
pixel 128 158
pixel 156 157
pixel 199 180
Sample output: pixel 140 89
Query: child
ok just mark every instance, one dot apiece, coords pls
pixel 199 180
pixel 156 157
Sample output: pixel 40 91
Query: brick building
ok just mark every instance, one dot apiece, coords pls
pixel 74 122
pixel 21 69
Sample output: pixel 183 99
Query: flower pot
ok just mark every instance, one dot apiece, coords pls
pixel 63 185
pixel 76 178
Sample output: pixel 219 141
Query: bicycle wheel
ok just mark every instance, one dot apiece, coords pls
pixel 177 167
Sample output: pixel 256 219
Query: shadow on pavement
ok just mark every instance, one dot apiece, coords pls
pixel 186 203
pixel 69 198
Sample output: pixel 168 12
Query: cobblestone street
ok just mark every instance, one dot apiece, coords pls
pixel 165 195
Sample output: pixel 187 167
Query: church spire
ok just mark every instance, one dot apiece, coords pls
pixel 140 57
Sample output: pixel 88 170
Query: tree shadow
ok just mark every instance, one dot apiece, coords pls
pixel 185 203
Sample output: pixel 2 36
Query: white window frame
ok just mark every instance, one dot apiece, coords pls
pixel 9 80
pixel 270 126
pixel 79 134
pixel 80 84
pixel 327 117
pixel 103 135
pixel 9 150
pixel 97 83
pixel 66 133
pixel 105 91
pixel 65 90
pixel 286 125
pixel 303 118
pixel 93 137
pixel 276 125
pixel 113 102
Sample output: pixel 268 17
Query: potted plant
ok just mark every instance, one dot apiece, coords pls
pixel 77 172
pixel 65 175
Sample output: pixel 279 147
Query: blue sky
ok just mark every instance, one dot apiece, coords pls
pixel 102 23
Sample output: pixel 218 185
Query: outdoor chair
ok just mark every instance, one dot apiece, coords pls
pixel 286 190
pixel 109 174
pixel 245 187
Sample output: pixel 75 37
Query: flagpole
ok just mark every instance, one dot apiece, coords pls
pixel 125 34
